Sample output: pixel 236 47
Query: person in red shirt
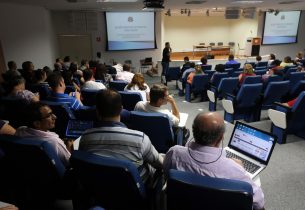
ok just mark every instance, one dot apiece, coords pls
pixel 248 71
pixel 290 103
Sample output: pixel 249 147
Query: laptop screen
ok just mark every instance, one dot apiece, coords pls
pixel 252 142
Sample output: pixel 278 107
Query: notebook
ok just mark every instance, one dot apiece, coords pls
pixel 252 146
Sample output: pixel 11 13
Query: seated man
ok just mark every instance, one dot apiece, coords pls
pixel 39 121
pixel 231 60
pixel 159 96
pixel 114 139
pixel 125 75
pixel 203 156
pixel 90 82
pixel 58 86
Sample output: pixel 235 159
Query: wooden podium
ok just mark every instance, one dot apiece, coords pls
pixel 252 46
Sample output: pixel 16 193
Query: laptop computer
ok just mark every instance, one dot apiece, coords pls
pixel 76 128
pixel 252 146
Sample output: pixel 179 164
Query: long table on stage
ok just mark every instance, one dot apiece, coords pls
pixel 201 50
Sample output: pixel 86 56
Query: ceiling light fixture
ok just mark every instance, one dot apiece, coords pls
pixel 247 2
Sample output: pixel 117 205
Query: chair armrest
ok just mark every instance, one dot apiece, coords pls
pixel 211 95
pixel 228 106
pixel 230 97
pixel 278 118
pixel 282 107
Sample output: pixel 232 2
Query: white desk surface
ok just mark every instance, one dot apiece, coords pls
pixel 183 119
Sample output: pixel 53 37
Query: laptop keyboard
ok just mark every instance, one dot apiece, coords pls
pixel 249 166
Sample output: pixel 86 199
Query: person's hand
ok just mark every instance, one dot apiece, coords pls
pixel 69 144
pixel 170 99
pixel 10 207
pixel 239 162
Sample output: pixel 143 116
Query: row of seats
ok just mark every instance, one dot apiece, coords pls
pixel 35 179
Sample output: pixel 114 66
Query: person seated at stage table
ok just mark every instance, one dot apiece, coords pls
pixel 138 84
pixel 247 72
pixel 287 62
pixel 231 60
pixel 185 66
pixel 198 71
pixel 204 155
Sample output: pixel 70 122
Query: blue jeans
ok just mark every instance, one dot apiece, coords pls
pixel 165 67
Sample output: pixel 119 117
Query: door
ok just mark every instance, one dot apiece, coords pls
pixel 78 47
pixel 2 62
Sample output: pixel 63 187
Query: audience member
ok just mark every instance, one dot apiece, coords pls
pixel 248 71
pixel 299 58
pixel 277 69
pixel 118 67
pixel 90 82
pixel 57 84
pixel 125 75
pixel 40 76
pixel 77 75
pixel 198 71
pixel 114 139
pixel 84 65
pixel 5 128
pixel 287 62
pixel 204 61
pixel 9 207
pixel 12 68
pixel 258 59
pixel 138 84
pixel 204 157
pixel 231 60
pixel 39 121
pixel 219 68
pixel 70 80
pixel 99 58
pixel 67 62
pixel 188 71
pixel 159 96
pixel 57 67
pixel 101 74
pixel 271 59
pixel 27 72
pixel 185 66
pixel 15 87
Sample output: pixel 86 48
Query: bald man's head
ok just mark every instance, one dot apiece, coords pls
pixel 208 128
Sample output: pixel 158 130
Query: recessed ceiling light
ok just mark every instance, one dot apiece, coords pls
pixel 289 2
pixel 247 2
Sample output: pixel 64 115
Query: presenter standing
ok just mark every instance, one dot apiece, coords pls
pixel 165 60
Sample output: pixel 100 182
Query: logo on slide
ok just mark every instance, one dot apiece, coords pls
pixel 130 19
pixel 283 17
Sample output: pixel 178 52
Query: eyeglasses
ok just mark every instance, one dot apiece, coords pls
pixel 47 116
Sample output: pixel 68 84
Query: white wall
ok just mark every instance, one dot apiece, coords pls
pixel 62 26
pixel 284 49
pixel 26 34
pixel 184 32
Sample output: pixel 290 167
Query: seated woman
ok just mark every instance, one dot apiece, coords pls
pixel 198 71
pixel 271 59
pixel 219 68
pixel 287 62
pixel 248 71
pixel 138 84
pixel 15 87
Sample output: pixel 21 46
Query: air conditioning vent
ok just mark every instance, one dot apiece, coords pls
pixel 231 13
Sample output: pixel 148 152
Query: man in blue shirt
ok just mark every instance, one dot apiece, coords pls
pixel 57 84
pixel 231 60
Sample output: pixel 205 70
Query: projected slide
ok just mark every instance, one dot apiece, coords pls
pixel 281 28
pixel 130 30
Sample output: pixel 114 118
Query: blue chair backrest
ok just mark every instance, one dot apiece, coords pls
pixel 234 66
pixel 252 79
pixel 252 63
pixel 200 83
pixel 130 99
pixel 262 64
pixel 217 78
pixel 89 96
pixel 289 71
pixel 286 68
pixel 297 121
pixel 156 126
pixel 63 114
pixel 227 86
pixel 209 72
pixel 261 68
pixel 191 191
pixel 260 72
pixel 297 89
pixel 230 71
pixel 173 73
pixel 236 73
pixel 110 182
pixel 118 85
pixel 43 90
pixel 248 95
pixel 275 92
pixel 206 67
pixel 69 89
pixel 34 171
pixel 295 77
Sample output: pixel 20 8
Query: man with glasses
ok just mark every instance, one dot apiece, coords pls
pixel 39 120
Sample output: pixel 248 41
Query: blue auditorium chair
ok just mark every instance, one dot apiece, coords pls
pixel 236 73
pixel 230 71
pixel 286 68
pixel 206 67
pixel 34 174
pixel 43 89
pixel 252 80
pixel 209 72
pixel 262 64
pixel 288 72
pixel 108 182
pixel 260 72
pixel 296 90
pixel 252 63
pixel 215 80
pixel 130 99
pixel 158 128
pixel 173 73
pixel 234 66
pixel 261 68
pixel 69 89
pixel 288 120
pixel 118 85
pixel 89 96
pixel 198 87
pixel 186 190
pixel 274 92
pixel 245 105
pixel 226 86
pixel 295 77
pixel 273 78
